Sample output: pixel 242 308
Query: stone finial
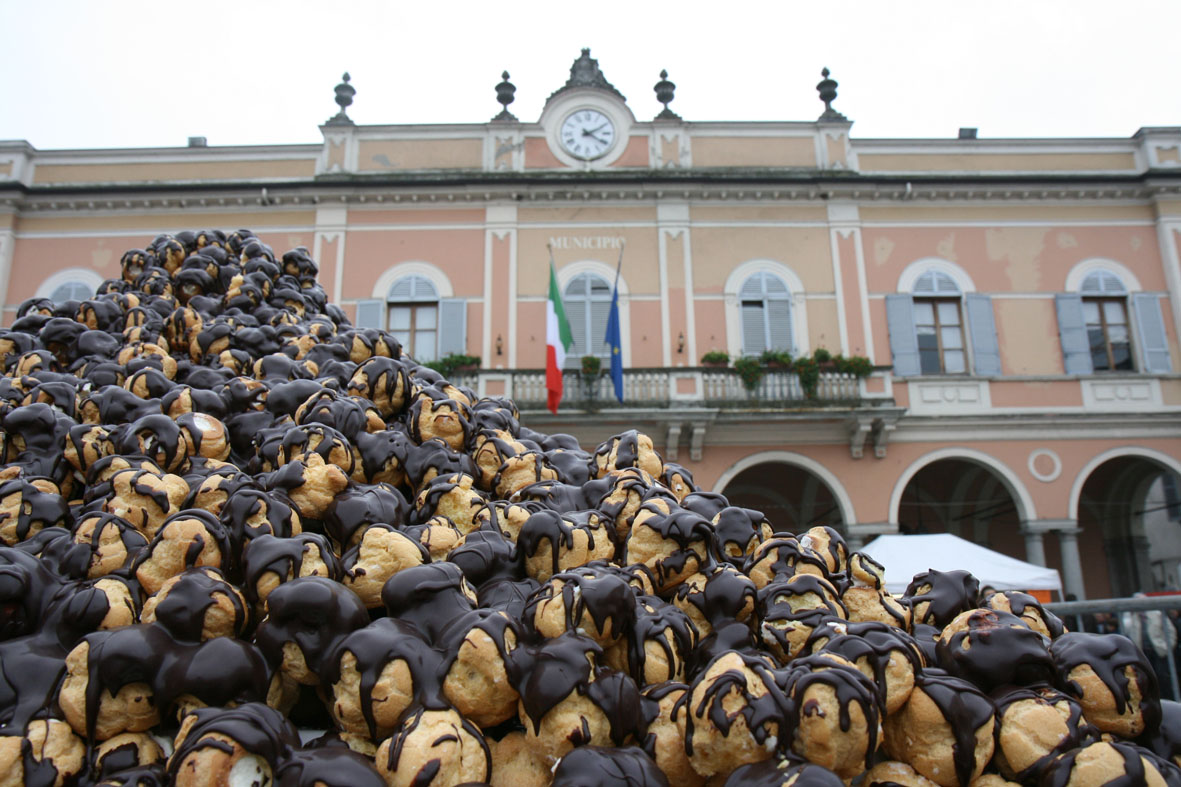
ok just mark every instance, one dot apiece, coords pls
pixel 664 94
pixel 344 98
pixel 585 72
pixel 505 92
pixel 828 93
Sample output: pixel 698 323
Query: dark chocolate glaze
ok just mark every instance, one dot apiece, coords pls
pixel 558 531
pixel 361 505
pixel 768 712
pixel 332 766
pixel 603 596
pixel 874 642
pixel 1076 725
pixel 849 685
pixel 1109 655
pixel 182 609
pixel 427 773
pixel 156 436
pixel 283 557
pixel 1020 603
pixel 346 415
pixel 964 708
pixel 430 495
pixel 627 452
pixel 214 531
pixel 434 457
pixel 664 624
pixel 995 649
pixel 782 772
pixel 1167 740
pixel 383 641
pixel 314 613
pixel 429 597
pixel 571 466
pixel 34 509
pixel 948 594
pixel 554 669
pixel 59 552
pixel 1058 773
pixel 257 728
pixel 691 534
pixel 245 505
pixel 710 504
pixel 723 597
pixel 508 596
pixel 781 554
pixel 383 452
pixel 427 400
pixel 596 766
pixel 485 556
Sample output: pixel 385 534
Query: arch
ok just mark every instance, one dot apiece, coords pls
pixel 1138 452
pixel 911 273
pixel 1025 508
pixel 570 271
pixel 1079 273
pixel 431 272
pixel 796 460
pixel 799 303
pixel 83 275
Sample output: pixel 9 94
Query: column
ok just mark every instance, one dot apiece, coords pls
pixel 1035 544
pixel 1072 567
pixel 857 535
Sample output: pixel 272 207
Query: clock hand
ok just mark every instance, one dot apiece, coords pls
pixel 594 130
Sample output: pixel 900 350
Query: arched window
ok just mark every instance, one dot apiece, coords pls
pixel 71 284
pixel 414 301
pixel 412 316
pixel 1106 324
pixel 938 325
pixel 587 300
pixel 1105 313
pixel 71 291
pixel 765 311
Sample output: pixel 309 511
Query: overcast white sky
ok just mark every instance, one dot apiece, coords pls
pixel 86 74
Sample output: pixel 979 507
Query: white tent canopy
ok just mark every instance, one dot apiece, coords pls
pixel 905 556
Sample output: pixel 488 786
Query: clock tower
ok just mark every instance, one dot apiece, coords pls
pixel 587 122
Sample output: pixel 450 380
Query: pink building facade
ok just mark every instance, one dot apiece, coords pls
pixel 1019 299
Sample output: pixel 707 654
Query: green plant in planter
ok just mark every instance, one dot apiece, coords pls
pixel 452 363
pixel 715 358
pixel 808 371
pixel 858 365
pixel 821 355
pixel 750 370
pixel 778 358
pixel 591 365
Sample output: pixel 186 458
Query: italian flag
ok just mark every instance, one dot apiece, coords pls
pixel 558 339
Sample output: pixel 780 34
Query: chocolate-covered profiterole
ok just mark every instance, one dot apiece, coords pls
pixel 598 766
pixel 1111 678
pixel 936 597
pixel 993 649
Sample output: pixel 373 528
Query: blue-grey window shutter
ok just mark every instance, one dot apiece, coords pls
pixel 371 313
pixel 986 352
pixel 779 325
pixel 1072 332
pixel 1154 343
pixel 904 344
pixel 754 329
pixel 452 327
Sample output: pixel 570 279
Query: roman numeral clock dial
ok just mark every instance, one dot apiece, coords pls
pixel 587 134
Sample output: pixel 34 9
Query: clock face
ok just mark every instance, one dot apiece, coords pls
pixel 587 134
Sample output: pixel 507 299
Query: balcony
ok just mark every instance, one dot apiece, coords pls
pixel 686 402
pixel 670 387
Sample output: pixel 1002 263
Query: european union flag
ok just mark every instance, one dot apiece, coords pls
pixel 615 343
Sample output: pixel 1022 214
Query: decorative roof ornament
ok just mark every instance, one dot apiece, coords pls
pixel 505 92
pixel 664 94
pixel 828 93
pixel 585 73
pixel 344 97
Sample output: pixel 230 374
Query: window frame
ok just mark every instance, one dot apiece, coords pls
pixel 764 303
pixel 1101 301
pixel 414 302
pixel 958 304
pixel 573 358
pixel 732 307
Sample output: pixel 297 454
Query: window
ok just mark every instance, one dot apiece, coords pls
pixel 765 309
pixel 1105 313
pixel 71 291
pixel 1105 325
pixel 587 300
pixel 940 326
pixel 412 316
pixel 940 334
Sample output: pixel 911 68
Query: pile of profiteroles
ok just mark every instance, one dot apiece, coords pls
pixel 229 517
